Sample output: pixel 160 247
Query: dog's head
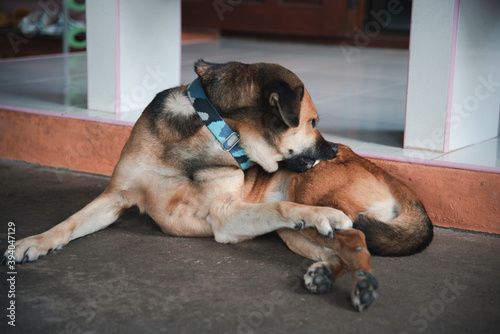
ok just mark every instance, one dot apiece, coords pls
pixel 272 111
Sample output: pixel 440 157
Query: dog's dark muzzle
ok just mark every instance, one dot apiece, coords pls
pixel 304 162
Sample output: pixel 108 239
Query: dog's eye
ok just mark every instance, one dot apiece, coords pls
pixel 313 123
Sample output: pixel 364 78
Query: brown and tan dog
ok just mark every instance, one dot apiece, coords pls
pixel 174 169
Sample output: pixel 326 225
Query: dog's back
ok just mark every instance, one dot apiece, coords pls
pixel 390 215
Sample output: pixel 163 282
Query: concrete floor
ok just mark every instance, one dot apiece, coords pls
pixel 132 278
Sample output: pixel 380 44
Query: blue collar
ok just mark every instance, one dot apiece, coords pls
pixel 214 122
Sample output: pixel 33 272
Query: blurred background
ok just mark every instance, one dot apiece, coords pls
pixel 47 25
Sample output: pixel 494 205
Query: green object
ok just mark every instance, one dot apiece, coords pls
pixel 73 42
pixel 74 5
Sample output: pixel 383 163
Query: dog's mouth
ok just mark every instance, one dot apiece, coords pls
pixel 303 163
pixel 299 164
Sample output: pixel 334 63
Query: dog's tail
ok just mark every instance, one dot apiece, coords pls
pixel 408 233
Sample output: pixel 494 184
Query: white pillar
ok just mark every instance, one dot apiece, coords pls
pixel 133 52
pixel 453 98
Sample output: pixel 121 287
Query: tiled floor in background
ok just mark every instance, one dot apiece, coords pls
pixel 360 98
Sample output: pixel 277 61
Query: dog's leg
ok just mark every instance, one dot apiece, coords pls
pixel 232 222
pixel 321 275
pixel 98 214
pixel 347 252
pixel 350 246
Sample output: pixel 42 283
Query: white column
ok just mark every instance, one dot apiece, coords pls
pixel 476 86
pixel 453 97
pixel 133 52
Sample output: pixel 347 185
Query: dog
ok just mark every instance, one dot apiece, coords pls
pixel 233 156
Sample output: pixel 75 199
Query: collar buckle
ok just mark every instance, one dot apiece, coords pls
pixel 231 141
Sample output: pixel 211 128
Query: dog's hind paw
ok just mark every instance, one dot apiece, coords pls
pixel 319 278
pixel 363 294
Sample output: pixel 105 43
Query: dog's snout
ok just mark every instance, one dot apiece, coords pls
pixel 335 149
pixel 326 151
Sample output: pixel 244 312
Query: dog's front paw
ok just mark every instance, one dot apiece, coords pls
pixel 319 278
pixel 338 219
pixel 363 294
pixel 321 224
pixel 324 219
pixel 335 219
pixel 30 249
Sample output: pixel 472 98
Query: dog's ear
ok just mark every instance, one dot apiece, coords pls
pixel 209 71
pixel 285 102
pixel 202 68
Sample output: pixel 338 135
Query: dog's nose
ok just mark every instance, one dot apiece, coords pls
pixel 335 149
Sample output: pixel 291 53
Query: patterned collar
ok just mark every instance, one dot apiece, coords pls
pixel 228 138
